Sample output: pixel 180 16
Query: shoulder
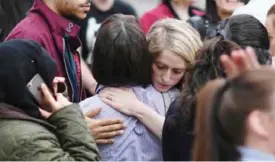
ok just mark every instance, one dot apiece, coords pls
pixel 32 27
pixel 91 103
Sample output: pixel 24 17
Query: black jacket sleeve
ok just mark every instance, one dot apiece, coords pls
pixel 177 136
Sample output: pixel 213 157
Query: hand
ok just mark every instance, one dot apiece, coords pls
pixel 49 101
pixel 104 130
pixel 56 81
pixel 239 61
pixel 123 100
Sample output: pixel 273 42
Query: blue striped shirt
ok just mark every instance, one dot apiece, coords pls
pixel 137 143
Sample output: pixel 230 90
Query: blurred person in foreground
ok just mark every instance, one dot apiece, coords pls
pixel 29 133
pixel 247 96
pixel 178 9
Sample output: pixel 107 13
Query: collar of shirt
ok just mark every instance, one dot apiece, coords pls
pixel 249 154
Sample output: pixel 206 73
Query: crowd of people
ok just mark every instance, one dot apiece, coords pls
pixel 89 80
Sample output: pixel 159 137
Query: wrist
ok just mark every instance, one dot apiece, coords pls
pixel 139 110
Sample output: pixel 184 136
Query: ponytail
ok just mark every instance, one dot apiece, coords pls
pixel 223 146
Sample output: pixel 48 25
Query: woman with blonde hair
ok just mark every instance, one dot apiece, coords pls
pixel 173 44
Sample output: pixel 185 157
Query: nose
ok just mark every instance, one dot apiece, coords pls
pixel 166 78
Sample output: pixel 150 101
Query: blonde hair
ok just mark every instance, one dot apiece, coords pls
pixel 176 36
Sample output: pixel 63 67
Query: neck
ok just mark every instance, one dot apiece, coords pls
pixel 223 15
pixel 261 145
pixel 104 7
pixel 51 5
pixel 181 8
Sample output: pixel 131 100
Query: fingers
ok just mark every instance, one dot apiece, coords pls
pixel 47 97
pixel 109 135
pixel 252 57
pixel 57 80
pixel 246 61
pixel 106 122
pixel 228 65
pixel 111 91
pixel 93 113
pixel 239 61
pixel 105 141
pixel 111 102
pixel 108 128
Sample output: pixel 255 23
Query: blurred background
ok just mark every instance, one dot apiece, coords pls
pixel 142 6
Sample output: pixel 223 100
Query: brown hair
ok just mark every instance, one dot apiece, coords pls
pixel 120 50
pixel 207 67
pixel 220 101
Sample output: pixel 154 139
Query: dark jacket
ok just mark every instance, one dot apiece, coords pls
pixel 63 137
pixel 203 25
pixel 178 133
pixel 11 13
pixel 59 37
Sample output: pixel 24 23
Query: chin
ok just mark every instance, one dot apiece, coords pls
pixel 81 17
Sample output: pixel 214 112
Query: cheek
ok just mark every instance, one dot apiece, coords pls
pixel 176 79
pixel 272 47
pixel 156 71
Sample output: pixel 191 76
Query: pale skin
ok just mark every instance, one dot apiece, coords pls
pixel 271 32
pixel 103 130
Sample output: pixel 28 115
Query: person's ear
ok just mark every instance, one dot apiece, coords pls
pixel 257 123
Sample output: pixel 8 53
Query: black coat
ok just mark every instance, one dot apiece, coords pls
pixel 11 13
pixel 203 25
pixel 178 133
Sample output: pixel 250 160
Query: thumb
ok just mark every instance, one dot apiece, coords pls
pixel 93 113
pixel 44 113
